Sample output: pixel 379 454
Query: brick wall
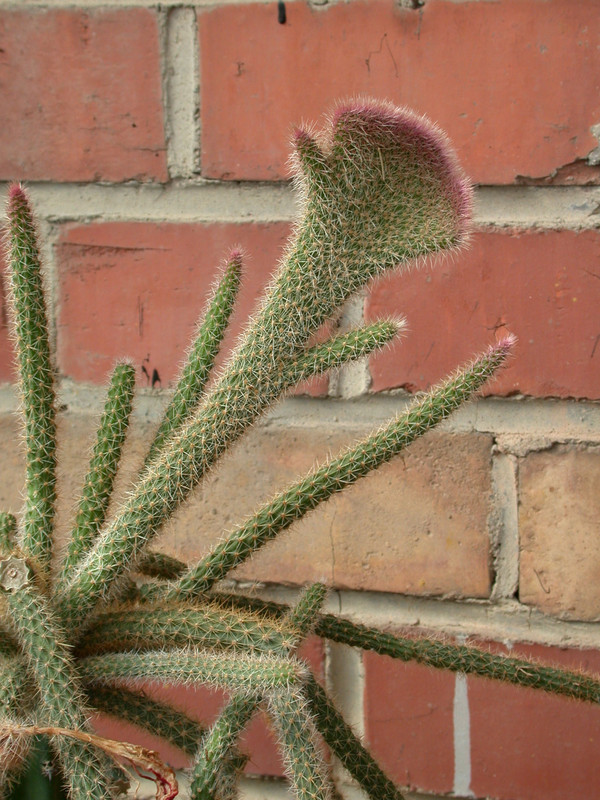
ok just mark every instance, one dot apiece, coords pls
pixel 154 136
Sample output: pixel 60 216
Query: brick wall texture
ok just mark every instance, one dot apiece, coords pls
pixel 154 137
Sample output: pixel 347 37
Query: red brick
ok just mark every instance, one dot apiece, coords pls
pixel 81 95
pixel 137 290
pixel 514 83
pixel 258 741
pixel 543 286
pixel 558 512
pixel 530 745
pixel 408 722
pixel 525 744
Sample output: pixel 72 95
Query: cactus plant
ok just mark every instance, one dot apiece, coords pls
pixel 380 190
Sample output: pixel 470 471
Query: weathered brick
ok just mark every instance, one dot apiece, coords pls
pixel 137 289
pixel 558 513
pixel 409 527
pixel 530 745
pixel 408 722
pixel 523 743
pixel 472 67
pixel 81 95
pixel 541 285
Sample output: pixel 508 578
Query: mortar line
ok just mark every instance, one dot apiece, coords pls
pixel 199 200
pixel 179 65
pixel 505 525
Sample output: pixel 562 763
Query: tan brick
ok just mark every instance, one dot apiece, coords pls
pixel 558 522
pixel 410 527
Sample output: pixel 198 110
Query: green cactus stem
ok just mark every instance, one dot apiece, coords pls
pixel 303 616
pixel 462 658
pixel 201 356
pixel 336 475
pixel 389 192
pixel 218 743
pixel 61 698
pixel 36 377
pixel 356 759
pixel 106 456
pixel 172 725
pixel 204 625
pixel 252 675
pixel 300 744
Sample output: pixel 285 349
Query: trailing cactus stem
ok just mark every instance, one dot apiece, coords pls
pixel 359 763
pixel 218 744
pixel 386 191
pixel 303 616
pixel 298 736
pixel 252 675
pixel 36 378
pixel 8 532
pixel 336 475
pixel 204 625
pixel 61 699
pixel 170 724
pixel 202 354
pixel 99 481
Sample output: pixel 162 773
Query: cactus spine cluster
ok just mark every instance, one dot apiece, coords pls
pixel 380 190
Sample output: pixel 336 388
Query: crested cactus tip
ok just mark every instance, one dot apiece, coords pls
pixel 386 175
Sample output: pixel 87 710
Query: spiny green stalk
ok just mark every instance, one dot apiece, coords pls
pixel 298 737
pixel 159 565
pixel 388 192
pixel 60 696
pixel 462 658
pixel 359 763
pixel 336 475
pixel 303 616
pixel 467 659
pixel 36 378
pixel 201 356
pixel 340 350
pixel 216 746
pixel 106 456
pixel 170 724
pixel 252 675
pixel 204 625
pixel 8 532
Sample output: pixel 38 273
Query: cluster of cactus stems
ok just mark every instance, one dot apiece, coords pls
pixel 80 628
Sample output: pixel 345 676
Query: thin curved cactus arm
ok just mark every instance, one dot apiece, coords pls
pixel 202 354
pixel 160 719
pixel 434 653
pixel 218 744
pixel 36 377
pixel 251 674
pixel 340 350
pixel 343 742
pixel 8 532
pixel 158 565
pixel 462 658
pixel 104 463
pixel 337 474
pixel 202 625
pixel 299 740
pixel 390 193
pixel 61 698
pixel 303 616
